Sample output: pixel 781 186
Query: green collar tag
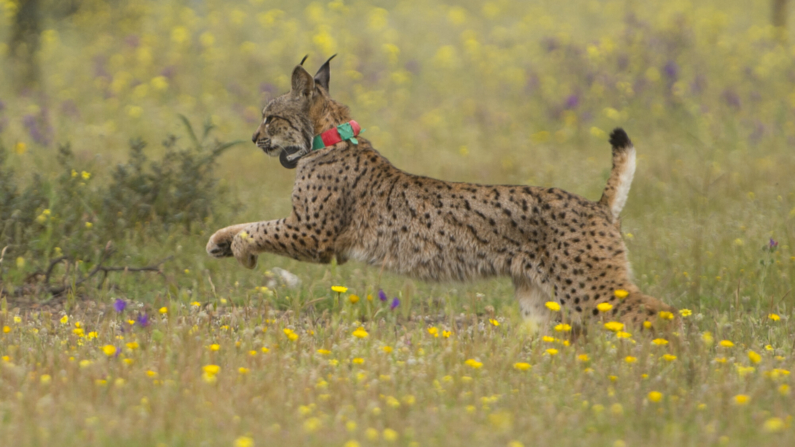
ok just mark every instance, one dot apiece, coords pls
pixel 346 132
pixel 317 143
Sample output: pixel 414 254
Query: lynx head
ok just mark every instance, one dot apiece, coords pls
pixel 290 121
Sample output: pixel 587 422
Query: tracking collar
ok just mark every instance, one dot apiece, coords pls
pixel 344 132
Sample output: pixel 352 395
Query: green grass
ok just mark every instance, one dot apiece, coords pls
pixel 506 92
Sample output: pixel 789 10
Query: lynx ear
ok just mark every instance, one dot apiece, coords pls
pixel 324 74
pixel 302 82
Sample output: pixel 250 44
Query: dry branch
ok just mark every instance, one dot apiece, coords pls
pixel 106 253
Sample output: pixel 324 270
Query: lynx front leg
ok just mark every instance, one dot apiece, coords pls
pixel 220 243
pixel 281 237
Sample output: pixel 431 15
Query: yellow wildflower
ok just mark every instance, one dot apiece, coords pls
pixel 358 361
pixel 244 441
pixel 312 424
pixel 655 396
pixel 754 357
pixel 215 347
pixel 604 307
pixel 614 326
pixel 774 317
pixel 474 364
pixel 563 327
pixel 339 289
pixel 64 319
pixel 109 350
pixel 669 357
pixel 17 319
pixel 360 333
pixel 583 358
pixel 163 310
pixel 433 330
pixel 494 322
pixel 552 351
pixel 741 399
pixel 647 324
pixel 660 341
pixel 6 329
pixel 685 312
pixel 390 435
pixel 620 293
pixel 726 343
pixel 195 304
pixel 446 334
pixel 773 425
pixel 665 315
pixel 521 366
pixel 132 346
pixel 243 370
pixel 553 306
pixel 548 339
pixel 211 369
pixel 353 299
pixel 323 351
pixel 630 359
pixel 387 349
pixel 622 334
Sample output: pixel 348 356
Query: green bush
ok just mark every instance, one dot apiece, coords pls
pixel 74 216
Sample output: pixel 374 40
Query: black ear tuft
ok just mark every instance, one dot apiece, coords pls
pixel 619 139
pixel 323 75
pixel 303 60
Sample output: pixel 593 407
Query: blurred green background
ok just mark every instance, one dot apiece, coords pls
pixel 487 92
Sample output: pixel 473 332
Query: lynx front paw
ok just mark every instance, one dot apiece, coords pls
pixel 219 246
pixel 241 249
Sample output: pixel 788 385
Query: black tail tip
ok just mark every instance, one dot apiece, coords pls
pixel 619 138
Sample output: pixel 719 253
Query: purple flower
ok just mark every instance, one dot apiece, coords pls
pixel 142 320
pixel 119 305
pixel 731 98
pixel 671 70
pixel 395 303
pixel 572 101
pixel 773 244
pixel 381 295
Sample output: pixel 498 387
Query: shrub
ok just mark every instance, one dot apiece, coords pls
pixel 73 217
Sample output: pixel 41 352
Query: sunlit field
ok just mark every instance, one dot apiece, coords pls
pixel 118 329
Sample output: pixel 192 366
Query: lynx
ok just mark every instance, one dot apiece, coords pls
pixel 349 202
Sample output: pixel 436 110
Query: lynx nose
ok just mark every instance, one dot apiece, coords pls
pixel 254 137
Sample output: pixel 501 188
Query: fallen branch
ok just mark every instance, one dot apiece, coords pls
pixel 106 253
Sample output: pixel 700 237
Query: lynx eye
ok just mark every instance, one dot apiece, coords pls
pixel 268 120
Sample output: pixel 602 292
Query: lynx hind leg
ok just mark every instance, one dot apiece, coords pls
pixel 532 304
pixel 220 243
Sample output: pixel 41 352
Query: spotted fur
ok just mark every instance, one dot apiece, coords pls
pixel 349 202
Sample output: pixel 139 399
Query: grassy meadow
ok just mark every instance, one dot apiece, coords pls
pixel 200 351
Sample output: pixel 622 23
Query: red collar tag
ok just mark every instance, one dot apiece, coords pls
pixel 343 132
